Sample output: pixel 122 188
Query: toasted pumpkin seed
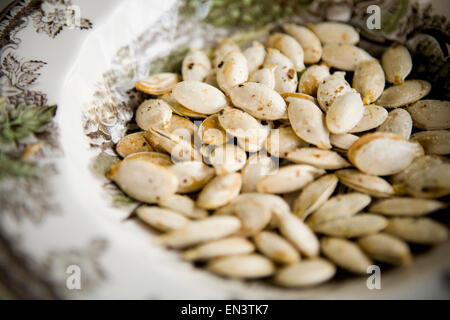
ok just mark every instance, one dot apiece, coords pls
pixel 224 47
pixel 315 195
pixel 220 191
pixel 369 80
pixel 259 101
pixel 397 63
pixel 286 79
pixel 158 158
pixel 399 122
pixel 408 92
pixel 307 120
pixel 196 66
pixel 199 97
pixel 340 206
pixel 242 266
pixel 406 206
pixel 299 234
pixel 253 215
pixel 255 56
pixel 343 140
pixel 308 40
pixel 289 47
pixel 312 77
pixel 323 159
pixel 232 71
pixel 352 227
pixel 431 114
pixel 344 56
pixel 240 124
pixel 330 88
pixel 196 232
pixel 373 117
pixel 192 175
pixel 257 167
pixel 306 273
pixel 179 109
pixel 276 248
pixel 183 205
pixel 133 143
pixel 143 180
pixel 434 142
pixel 345 254
pixel 177 147
pixel 265 76
pixel 371 155
pixel 227 158
pixel 162 219
pixel 219 248
pixel 153 113
pixel 386 248
pixel 283 140
pixel 335 32
pixel 345 113
pixel 288 179
pixel 158 84
pixel 418 230
pixel 211 132
pixel 371 185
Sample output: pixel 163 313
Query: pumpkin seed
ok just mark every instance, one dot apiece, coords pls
pixel 253 215
pixel 196 66
pixel 299 234
pixel 397 63
pixel 183 205
pixel 153 113
pixel 196 232
pixel 371 185
pixel 288 179
pixel 258 100
pixel 220 191
pixel 143 180
pixel 250 266
pixel 288 46
pixel 158 158
pixel 369 80
pixel 418 230
pixel 232 71
pixel 338 207
pixel 276 248
pixel 219 248
pixel 315 195
pixel 345 254
pixel 240 124
pixel 179 109
pixel 345 113
pixel 308 122
pixel 330 88
pixel 255 57
pixel 308 40
pixel 386 248
pixel 265 76
pixel 352 227
pixel 283 140
pixel 158 84
pixel 399 122
pixel 335 32
pixel 406 206
pixel 371 155
pixel 306 273
pixel 227 158
pixel 199 97
pixel 430 114
pixel 343 140
pixel 179 128
pixel 408 92
pixel 426 177
pixel 323 159
pixel 224 47
pixel 257 167
pixel 133 143
pixel 192 175
pixel 434 142
pixel 312 77
pixel 286 79
pixel 211 132
pixel 177 147
pixel 373 117
pixel 162 219
pixel 344 56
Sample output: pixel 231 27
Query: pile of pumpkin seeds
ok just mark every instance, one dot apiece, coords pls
pixel 269 163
